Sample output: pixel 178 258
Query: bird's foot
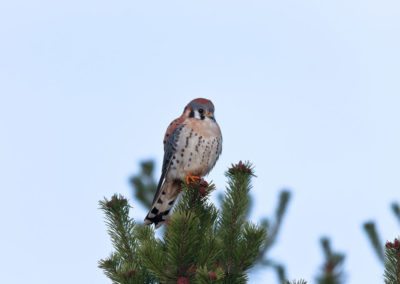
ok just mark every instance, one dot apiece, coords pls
pixel 192 179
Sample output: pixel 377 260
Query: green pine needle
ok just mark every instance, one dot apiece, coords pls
pixel 301 281
pixel 120 226
pixel 332 269
pixel 392 262
pixel 396 210
pixel 122 266
pixel 373 236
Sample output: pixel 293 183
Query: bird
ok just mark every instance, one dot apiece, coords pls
pixel 192 146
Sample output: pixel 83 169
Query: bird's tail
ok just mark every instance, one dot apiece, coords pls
pixel 162 203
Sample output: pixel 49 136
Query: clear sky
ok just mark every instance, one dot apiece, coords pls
pixel 309 91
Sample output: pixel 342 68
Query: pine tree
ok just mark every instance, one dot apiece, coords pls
pixel 144 186
pixel 201 244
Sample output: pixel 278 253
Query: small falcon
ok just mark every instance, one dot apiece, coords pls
pixel 192 145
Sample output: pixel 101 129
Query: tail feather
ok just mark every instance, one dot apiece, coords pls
pixel 163 204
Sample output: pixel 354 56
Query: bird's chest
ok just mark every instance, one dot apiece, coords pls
pixel 196 152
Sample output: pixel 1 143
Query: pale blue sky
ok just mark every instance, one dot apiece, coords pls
pixel 307 90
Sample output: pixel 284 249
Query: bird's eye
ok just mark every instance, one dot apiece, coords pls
pixel 201 111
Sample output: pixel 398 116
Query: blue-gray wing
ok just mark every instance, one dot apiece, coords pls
pixel 169 151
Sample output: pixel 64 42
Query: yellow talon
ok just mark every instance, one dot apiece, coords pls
pixel 192 178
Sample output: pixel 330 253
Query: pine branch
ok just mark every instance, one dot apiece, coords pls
pixel 392 262
pixel 301 281
pixel 204 276
pixel 111 267
pixel 195 200
pixel 234 209
pixel 283 202
pixel 182 243
pixel 120 226
pixel 374 239
pixel 279 269
pixel 189 241
pixel 253 238
pixel 273 230
pixel 122 266
pixel 396 211
pixel 153 258
pixel 242 240
pixel 332 272
pixel 144 183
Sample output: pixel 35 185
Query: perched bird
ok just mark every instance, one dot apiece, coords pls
pixel 192 145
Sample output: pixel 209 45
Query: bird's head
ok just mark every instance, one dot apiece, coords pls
pixel 200 109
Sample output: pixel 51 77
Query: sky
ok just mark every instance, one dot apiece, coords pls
pixel 308 91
